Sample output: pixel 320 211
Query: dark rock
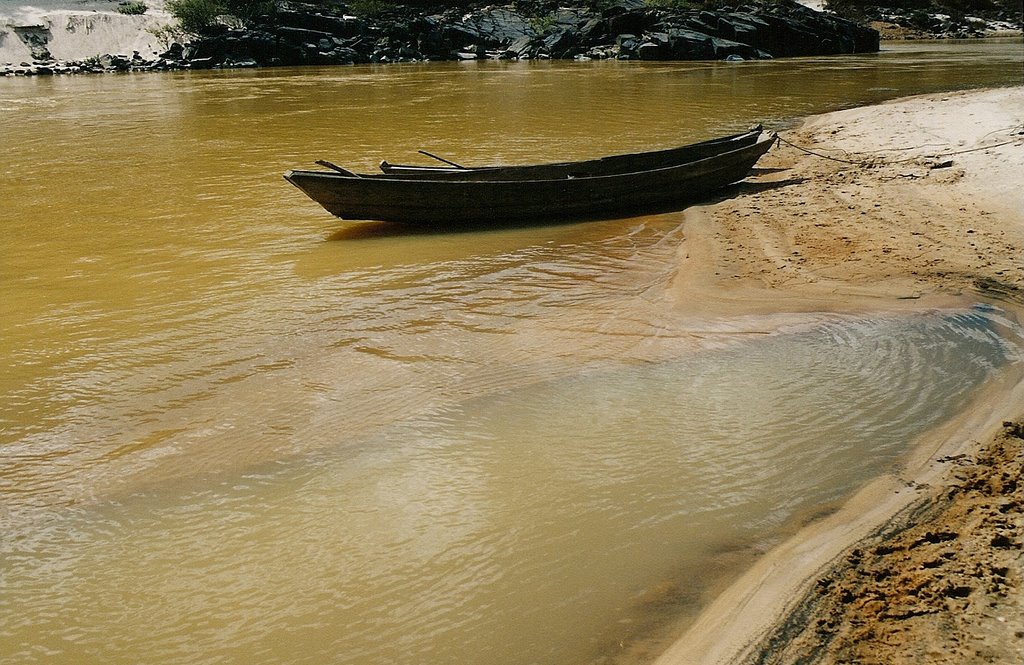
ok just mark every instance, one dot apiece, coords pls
pixel 173 52
pixel 408 53
pixel 499 27
pixel 302 35
pixel 627 44
pixel 697 25
pixel 461 33
pixel 119 63
pixel 593 30
pixel 573 18
pixel 787 37
pixel 520 47
pixel 208 49
pixel 348 56
pixel 745 29
pixel 339 26
pixel 724 48
pixel 690 45
pixel 629 22
pixel 650 50
pixel 429 38
pixel 562 43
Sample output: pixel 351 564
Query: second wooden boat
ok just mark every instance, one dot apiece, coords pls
pixel 641 161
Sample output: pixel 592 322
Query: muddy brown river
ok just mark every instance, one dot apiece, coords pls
pixel 234 429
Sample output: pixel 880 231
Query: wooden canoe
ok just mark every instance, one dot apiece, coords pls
pixel 629 163
pixel 449 201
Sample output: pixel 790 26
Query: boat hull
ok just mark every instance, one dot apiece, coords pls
pixel 445 201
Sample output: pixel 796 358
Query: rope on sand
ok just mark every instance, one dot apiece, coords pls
pixel 876 161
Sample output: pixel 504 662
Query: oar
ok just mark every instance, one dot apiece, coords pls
pixel 324 162
pixel 441 159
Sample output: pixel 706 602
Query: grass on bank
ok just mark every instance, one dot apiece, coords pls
pixel 132 8
pixel 199 16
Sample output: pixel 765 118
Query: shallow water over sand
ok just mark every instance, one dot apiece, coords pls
pixel 237 430
pixel 553 522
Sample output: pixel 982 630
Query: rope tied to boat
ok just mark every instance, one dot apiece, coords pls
pixel 878 161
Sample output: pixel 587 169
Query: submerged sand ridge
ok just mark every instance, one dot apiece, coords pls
pixel 920 203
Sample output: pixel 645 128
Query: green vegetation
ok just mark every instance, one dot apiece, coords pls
pixel 202 16
pixel 194 16
pixel 132 8
pixel 542 24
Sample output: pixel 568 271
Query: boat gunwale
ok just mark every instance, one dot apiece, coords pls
pixel 766 137
pixel 428 171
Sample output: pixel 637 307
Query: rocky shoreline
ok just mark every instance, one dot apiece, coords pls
pixel 903 23
pixel 306 34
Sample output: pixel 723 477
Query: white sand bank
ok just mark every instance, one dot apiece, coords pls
pixel 76 35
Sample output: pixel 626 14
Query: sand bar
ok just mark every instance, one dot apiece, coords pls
pixel 921 204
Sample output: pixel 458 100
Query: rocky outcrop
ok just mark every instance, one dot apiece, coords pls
pixel 300 34
pixel 629 29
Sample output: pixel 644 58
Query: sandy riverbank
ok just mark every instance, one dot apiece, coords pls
pixel 924 565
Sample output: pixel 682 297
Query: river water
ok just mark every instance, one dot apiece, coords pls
pixel 235 429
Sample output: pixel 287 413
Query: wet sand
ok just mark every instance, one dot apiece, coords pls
pixel 926 209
